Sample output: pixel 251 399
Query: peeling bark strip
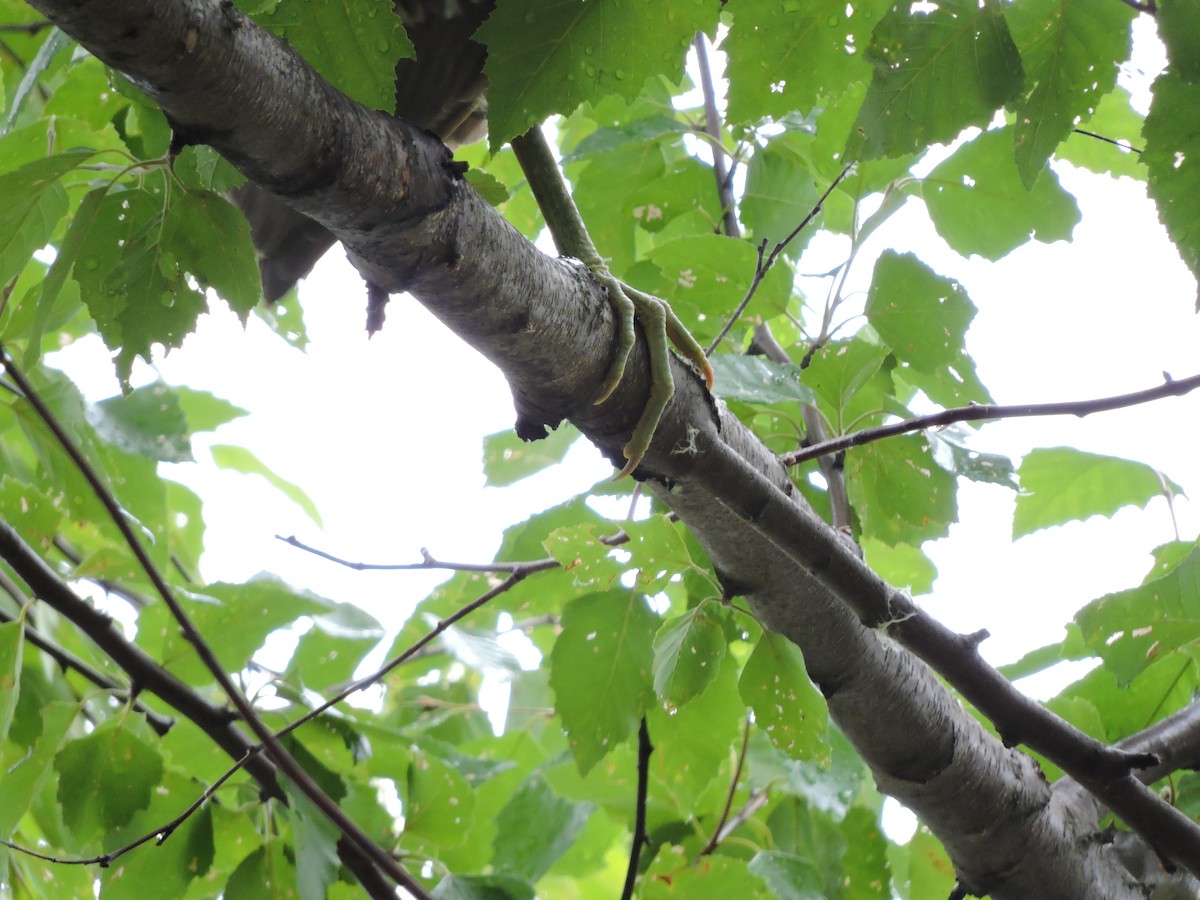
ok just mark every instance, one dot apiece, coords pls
pixel 389 192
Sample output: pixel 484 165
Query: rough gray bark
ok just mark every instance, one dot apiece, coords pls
pixel 393 196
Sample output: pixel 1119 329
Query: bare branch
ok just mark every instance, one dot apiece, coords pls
pixel 982 411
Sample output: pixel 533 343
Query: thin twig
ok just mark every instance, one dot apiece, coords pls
pixel 718 832
pixel 1122 144
pixel 979 411
pixel 290 767
pixel 645 748
pixel 714 128
pixel 764 265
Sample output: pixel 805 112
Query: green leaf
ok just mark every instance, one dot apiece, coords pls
pixel 979 204
pixel 589 560
pixel 901 494
pixel 925 317
pixel 672 876
pixel 353 45
pixel 35 201
pixel 170 866
pixel 691 743
pixel 212 238
pixel 203 411
pixel 902 565
pixel 785 57
pixel 756 379
pixel 866 875
pixel 779 195
pixel 331 651
pixel 600 671
pixel 507 459
pixel 147 421
pixel 31 513
pixel 483 887
pixel 1133 628
pixel 546 56
pixel 488 186
pixel 1172 155
pixel 937 71
pixel 1179 26
pixel 25 779
pixel 535 828
pixel 1071 50
pixel 440 802
pixel 235 620
pixel 316 840
pixel 105 777
pixel 790 877
pixel 839 372
pixel 239 459
pixel 1061 484
pixel 688 650
pixel 265 874
pixel 132 280
pixel 11 647
pixel 986 468
pixel 787 706
pixel 705 278
pixel 56 41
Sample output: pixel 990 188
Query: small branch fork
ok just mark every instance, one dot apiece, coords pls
pixel 977 412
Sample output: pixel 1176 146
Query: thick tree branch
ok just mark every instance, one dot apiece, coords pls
pixel 409 223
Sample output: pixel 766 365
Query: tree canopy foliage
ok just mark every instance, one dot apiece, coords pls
pixel 728 686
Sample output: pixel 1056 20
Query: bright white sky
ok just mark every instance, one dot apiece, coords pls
pixel 385 434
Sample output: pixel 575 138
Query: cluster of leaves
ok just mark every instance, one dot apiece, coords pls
pixel 626 629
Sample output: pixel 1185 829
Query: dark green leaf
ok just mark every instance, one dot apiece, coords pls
pixel 1061 484
pixel 1172 154
pixel 11 646
pixel 440 802
pixel 132 279
pixel 986 468
pixel 147 421
pixel 1179 26
pixel 536 827
pixel 212 238
pixel 1133 628
pixel 901 494
pixel 600 671
pixel 780 194
pixel 937 71
pixel 266 874
pixel 1071 51
pixel 838 372
pixel 105 777
pixel 483 887
pixel 488 186
pixel 789 877
pixel 353 45
pixel 979 203
pixel 507 459
pixel 924 317
pixel 547 57
pixel 35 201
pixel 756 379
pixel 785 57
pixel 687 655
pixel 26 778
pixel 787 706
pixel 34 515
